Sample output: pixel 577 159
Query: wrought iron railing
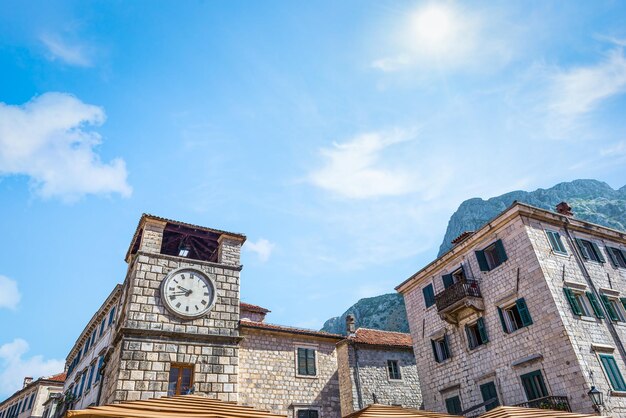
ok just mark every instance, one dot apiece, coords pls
pixel 458 291
pixel 555 403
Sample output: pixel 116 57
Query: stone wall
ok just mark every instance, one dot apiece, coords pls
pixel 268 378
pixel 348 394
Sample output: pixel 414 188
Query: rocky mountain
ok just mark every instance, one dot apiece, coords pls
pixel 591 200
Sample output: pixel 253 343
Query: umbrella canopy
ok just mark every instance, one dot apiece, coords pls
pixel 519 412
pixel 387 411
pixel 192 406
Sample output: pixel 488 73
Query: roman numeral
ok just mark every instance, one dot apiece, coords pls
pixel 187 308
pixel 172 288
pixel 206 293
pixel 182 276
pixel 203 302
pixel 197 309
pixel 178 305
pixel 172 297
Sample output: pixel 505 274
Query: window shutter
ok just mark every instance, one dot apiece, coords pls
pixel 482 260
pixel 482 330
pixel 596 250
pixel 301 361
pixel 504 328
pixel 500 250
pixel 597 310
pixel 446 346
pixel 469 337
pixel 582 248
pixel 623 300
pixel 313 413
pixel 435 351
pixel 523 312
pixel 609 308
pixel 310 362
pixel 572 301
pixel 609 251
pixel 303 413
pixel 447 280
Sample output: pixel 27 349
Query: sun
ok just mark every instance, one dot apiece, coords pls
pixel 432 26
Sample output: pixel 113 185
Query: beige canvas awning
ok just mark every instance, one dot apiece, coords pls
pixel 518 412
pixel 174 407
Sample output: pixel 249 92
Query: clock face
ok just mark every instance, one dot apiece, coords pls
pixel 188 293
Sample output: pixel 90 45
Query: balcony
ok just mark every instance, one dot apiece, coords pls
pixel 555 403
pixel 459 300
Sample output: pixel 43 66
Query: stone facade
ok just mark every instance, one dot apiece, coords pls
pixel 563 347
pixel 29 401
pixel 268 376
pixel 365 379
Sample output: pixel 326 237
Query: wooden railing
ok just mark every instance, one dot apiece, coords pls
pixel 555 403
pixel 458 291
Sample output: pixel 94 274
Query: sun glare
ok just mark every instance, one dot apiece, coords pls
pixel 432 27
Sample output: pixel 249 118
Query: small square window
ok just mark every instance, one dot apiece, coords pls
pixel 308 413
pixel 441 349
pixel 555 242
pixel 515 316
pixel 617 256
pixel 476 334
pixel 180 380
pixel 589 250
pixel 394 370
pixel 453 405
pixel 534 385
pixel 306 362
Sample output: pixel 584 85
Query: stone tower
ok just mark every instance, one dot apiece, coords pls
pixel 177 324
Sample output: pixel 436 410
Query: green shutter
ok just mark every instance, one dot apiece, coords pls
pixel 609 308
pixel 582 248
pixel 310 362
pixel 502 321
pixel 523 312
pixel 500 251
pixel 437 359
pixel 556 242
pixel 447 280
pixel 469 337
pixel 597 310
pixel 596 250
pixel 446 346
pixel 488 392
pixel 453 405
pixel 482 260
pixel 609 251
pixel 613 373
pixel 623 300
pixel 302 361
pixel 482 330
pixel 572 301
pixel 429 296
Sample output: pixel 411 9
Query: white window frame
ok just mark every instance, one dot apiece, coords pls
pixel 399 370
pixel 510 323
pixel 441 353
pixel 491 255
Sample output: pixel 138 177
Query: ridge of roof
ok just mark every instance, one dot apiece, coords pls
pixel 378 337
pixel 292 330
pixel 253 308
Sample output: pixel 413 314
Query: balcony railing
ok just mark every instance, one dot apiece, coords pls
pixel 555 403
pixel 457 292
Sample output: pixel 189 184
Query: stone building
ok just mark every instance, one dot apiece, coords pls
pixel 377 367
pixel 529 309
pixel 176 325
pixel 29 401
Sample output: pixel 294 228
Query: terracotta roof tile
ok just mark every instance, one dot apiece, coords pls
pixel 378 337
pixel 60 377
pixel 253 308
pixel 292 330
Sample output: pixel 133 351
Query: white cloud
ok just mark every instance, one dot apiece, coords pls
pixel 9 294
pixel 47 140
pixel 354 168
pixel 73 54
pixel 14 366
pixel 262 248
pixel 581 90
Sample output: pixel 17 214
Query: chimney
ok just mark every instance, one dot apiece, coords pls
pixel 350 329
pixel 564 209
pixel 27 381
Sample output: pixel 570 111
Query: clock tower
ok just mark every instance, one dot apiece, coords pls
pixel 177 325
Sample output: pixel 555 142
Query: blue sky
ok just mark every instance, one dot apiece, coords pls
pixel 338 136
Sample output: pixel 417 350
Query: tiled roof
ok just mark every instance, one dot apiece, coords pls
pixel 253 308
pixel 381 338
pixel 173 407
pixel 462 237
pixel 519 412
pixel 290 330
pixel 60 377
pixel 387 411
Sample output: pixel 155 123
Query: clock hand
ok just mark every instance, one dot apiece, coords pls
pixel 182 288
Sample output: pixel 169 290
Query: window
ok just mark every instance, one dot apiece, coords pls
pixel 306 362
pixel 102 324
pixel 555 242
pixel 617 256
pixel 612 372
pixel 99 370
pixel 492 256
pixel 577 302
pixel 476 334
pixel 612 308
pixel 394 370
pixel 488 392
pixel 456 276
pixel 515 316
pixel 441 349
pixel 533 385
pixel 429 295
pixel 91 370
pixel 32 399
pixel 308 413
pixel 24 404
pixel 453 406
pixel 112 316
pixel 181 379
pixel 93 338
pixel 82 383
pixel 589 250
